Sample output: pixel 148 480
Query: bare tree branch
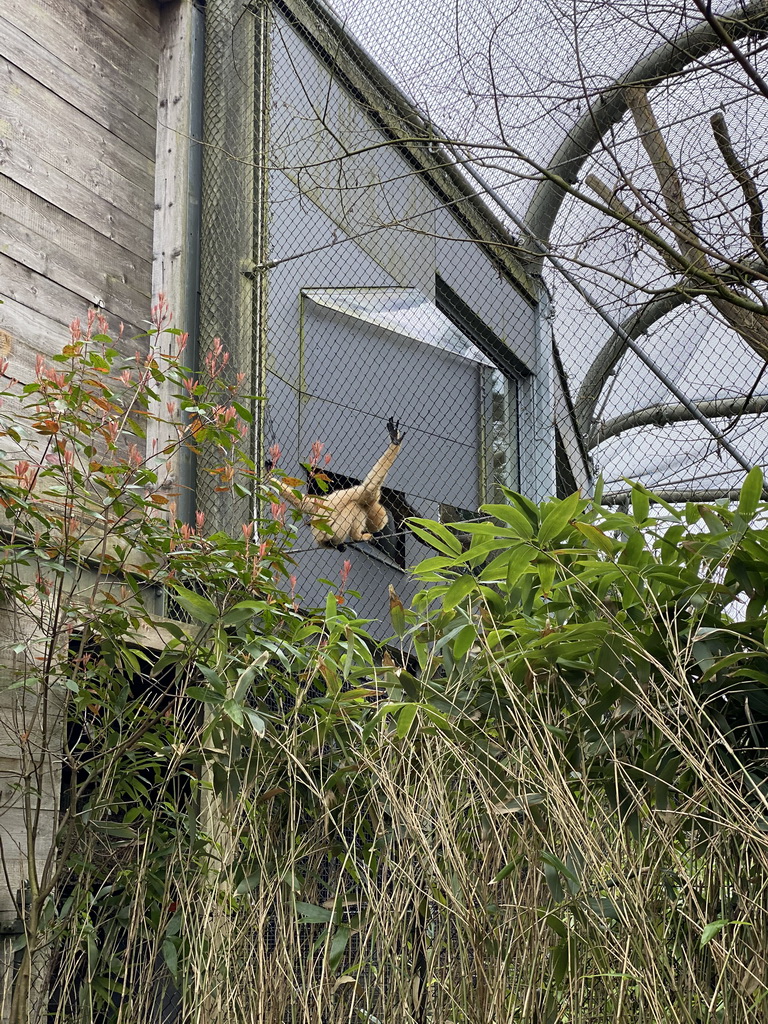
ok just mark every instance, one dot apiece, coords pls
pixel 667 176
pixel 623 212
pixel 745 181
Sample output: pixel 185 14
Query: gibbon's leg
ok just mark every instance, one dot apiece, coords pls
pixel 305 503
pixel 376 517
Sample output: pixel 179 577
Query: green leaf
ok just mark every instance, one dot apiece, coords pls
pixel 547 572
pixel 196 605
pixel 206 696
pixel 171 956
pixel 596 537
pixel 711 930
pixel 247 676
pixel 405 720
pixel 458 590
pixel 520 523
pixel 234 712
pixel 249 884
pixel 243 412
pixel 558 517
pixel 258 724
pixel 751 492
pixel 242 612
pixel 464 640
pixel 435 535
pixel 506 871
pixel 597 494
pixel 641 505
pixel 338 945
pixel 310 914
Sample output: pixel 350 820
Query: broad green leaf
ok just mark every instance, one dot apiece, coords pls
pixel 711 930
pixel 458 590
pixel 435 535
pixel 597 494
pixel 464 640
pixel 558 518
pixel 520 523
pixel 196 605
pixel 405 720
pixel 248 675
pixel 547 572
pixel 596 537
pixel 641 505
pixel 506 871
pixel 396 612
pixel 338 945
pixel 248 884
pixel 234 712
pixel 310 914
pixel 258 724
pixel 751 492
pixel 526 506
pixel 207 696
pixel 171 957
pixel 518 563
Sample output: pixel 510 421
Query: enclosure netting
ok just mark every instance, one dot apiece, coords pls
pixel 349 266
pixel 509 84
pixel 356 276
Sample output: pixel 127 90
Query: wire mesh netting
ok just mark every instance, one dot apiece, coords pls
pixel 384 288
pixel 663 223
pixel 361 268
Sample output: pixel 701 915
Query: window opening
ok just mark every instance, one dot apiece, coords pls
pixel 499 393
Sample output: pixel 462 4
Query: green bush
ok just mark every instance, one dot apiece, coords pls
pixel 543 800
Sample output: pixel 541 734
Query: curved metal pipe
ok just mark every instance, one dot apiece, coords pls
pixel 660 415
pixel 668 59
pixel 612 351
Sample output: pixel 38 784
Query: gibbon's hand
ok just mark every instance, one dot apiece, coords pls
pixel 393 426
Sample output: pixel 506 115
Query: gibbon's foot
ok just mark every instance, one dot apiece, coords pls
pixel 341 547
pixel 393 426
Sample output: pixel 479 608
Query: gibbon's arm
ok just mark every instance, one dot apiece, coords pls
pixel 370 489
pixel 306 503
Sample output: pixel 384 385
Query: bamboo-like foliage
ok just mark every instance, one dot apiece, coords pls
pixel 544 800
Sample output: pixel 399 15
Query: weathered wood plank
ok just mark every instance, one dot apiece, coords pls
pixel 36 313
pixel 21 165
pixel 70 188
pixel 70 140
pixel 132 25
pixel 69 252
pixel 172 266
pixel 88 46
pixel 97 95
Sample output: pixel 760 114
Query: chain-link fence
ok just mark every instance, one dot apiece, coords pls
pixel 357 275
pixel 360 268
pixel 651 196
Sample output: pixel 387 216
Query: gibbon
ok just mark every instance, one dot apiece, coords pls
pixel 354 513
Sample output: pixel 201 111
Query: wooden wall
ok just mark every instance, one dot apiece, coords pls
pixel 78 103
pixel 78 115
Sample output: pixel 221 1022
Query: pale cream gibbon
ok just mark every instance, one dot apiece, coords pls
pixel 354 513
